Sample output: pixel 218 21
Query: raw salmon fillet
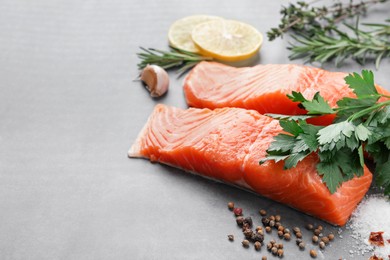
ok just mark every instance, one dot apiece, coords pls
pixel 227 144
pixel 263 87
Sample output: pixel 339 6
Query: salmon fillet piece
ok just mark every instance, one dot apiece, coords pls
pixel 263 87
pixel 227 144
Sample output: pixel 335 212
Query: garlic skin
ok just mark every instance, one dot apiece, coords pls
pixel 156 80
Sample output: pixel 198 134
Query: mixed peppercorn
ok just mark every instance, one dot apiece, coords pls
pixel 256 235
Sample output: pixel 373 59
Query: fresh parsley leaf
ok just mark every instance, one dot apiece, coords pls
pixel 362 85
pixel 293 118
pixel 317 106
pixel 296 97
pixel 335 133
pixel 331 175
pixel 291 127
pixel 293 160
pixel 362 133
pixel 383 175
pixel 282 143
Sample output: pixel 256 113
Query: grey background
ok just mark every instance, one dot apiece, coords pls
pixel 69 111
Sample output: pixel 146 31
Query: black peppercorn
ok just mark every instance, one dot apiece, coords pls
pixel 248 233
pixel 231 237
pixel 257 237
pixel 248 220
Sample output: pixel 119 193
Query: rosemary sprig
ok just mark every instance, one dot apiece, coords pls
pixel 323 47
pixel 169 59
pixel 304 18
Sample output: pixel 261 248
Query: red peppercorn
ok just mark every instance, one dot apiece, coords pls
pixel 237 211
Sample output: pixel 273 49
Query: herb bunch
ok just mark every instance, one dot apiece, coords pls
pixel 308 20
pixel 169 59
pixel 339 46
pixel 361 124
pixel 318 37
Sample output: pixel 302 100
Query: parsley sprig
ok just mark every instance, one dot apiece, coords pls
pixel 361 124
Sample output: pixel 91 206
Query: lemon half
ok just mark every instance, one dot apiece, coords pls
pixel 227 40
pixel 179 34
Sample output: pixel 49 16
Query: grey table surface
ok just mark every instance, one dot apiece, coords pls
pixel 69 111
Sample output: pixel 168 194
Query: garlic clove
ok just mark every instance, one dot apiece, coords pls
pixel 156 80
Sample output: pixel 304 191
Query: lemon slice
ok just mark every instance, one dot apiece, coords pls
pixel 227 40
pixel 179 34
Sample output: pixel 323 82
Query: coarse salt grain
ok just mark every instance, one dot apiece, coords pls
pixel 372 215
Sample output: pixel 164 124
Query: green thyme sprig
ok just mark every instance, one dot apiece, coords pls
pixel 338 46
pixel 306 19
pixel 361 125
pixel 181 59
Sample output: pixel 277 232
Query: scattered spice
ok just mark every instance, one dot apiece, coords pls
pixel 287 236
pixel 274 250
pixel 245 243
pixel 248 233
pixel 313 253
pixel 279 246
pixel 325 240
pixel 317 232
pixel 298 235
pixel 259 228
pixel 248 220
pixel 268 229
pixel 231 237
pixel 278 218
pixel 257 245
pixel 321 245
pixel 272 223
pixel 298 241
pixel 240 220
pixel 273 242
pixel 280 233
pixel 309 227
pixel 280 252
pixel 296 230
pixel 320 228
pixel 277 224
pixel 301 245
pixel 257 237
pixel 264 258
pixel 269 246
pixel 231 205
pixel 286 230
pixel 265 221
pixel 376 239
pixel 331 237
pixel 281 228
pixel 315 239
pixel 237 211
pixel 263 212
